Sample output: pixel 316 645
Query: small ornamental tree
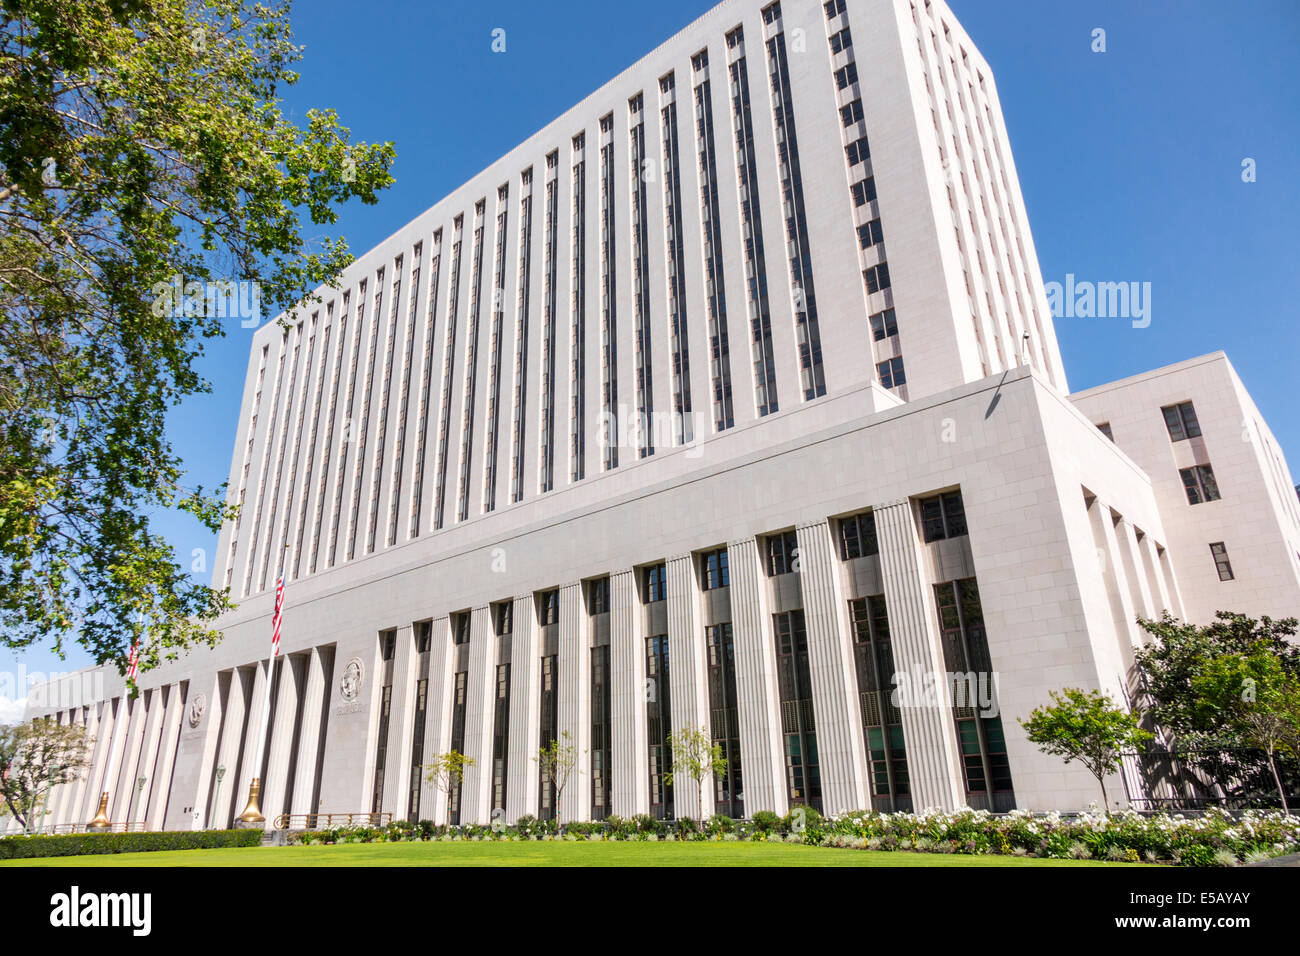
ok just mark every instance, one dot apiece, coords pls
pixel 696 756
pixel 1254 696
pixel 447 771
pixel 36 757
pixel 556 763
pixel 1085 726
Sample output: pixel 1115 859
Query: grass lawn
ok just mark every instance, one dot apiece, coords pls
pixel 543 854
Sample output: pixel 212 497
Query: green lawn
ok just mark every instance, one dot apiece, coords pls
pixel 542 854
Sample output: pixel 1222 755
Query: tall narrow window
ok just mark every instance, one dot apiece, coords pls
pixel 426 379
pixel 311 442
pixel 966 653
pixel 361 427
pixel 675 260
pixel 458 709
pixel 500 737
pixel 548 733
pixel 798 729
pixel 658 726
pixel 1181 421
pixel 723 718
pixel 601 750
pixel 882 722
pixel 608 306
pixel 471 362
pixel 345 445
pixel 578 316
pixel 1199 484
pixel 520 398
pixel 1219 551
pixel 386 396
pixel 638 166
pixel 804 295
pixel 412 310
pixel 751 227
pixel 423 636
pixel 494 363
pixel 448 372
pixel 387 643
pixel 711 220
pixel 546 436
pixel 327 447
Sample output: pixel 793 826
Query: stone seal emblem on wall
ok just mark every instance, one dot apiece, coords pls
pixel 350 682
pixel 197 708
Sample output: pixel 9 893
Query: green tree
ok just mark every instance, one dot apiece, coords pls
pixel 447 771
pixel 1170 665
pixel 36 757
pixel 1254 695
pixel 695 755
pixel 556 763
pixel 142 144
pixel 1085 726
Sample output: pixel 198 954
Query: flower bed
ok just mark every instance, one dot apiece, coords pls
pixel 1214 838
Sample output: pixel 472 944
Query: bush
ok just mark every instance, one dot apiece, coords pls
pixel 720 823
pixel 765 821
pixel 87 844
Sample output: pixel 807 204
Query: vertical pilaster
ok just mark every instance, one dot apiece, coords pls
pixel 153 735
pixel 525 671
pixel 247 770
pixel 757 696
pixel 687 678
pixel 287 695
pixel 401 723
pixel 841 749
pixel 313 702
pixel 437 734
pixel 630 785
pixel 477 790
pixel 575 697
pixel 929 732
pixel 160 791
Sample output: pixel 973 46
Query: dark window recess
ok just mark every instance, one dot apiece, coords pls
pixel 716 573
pixel 1181 421
pixel 841 41
pixel 1221 563
pixel 1104 428
pixel 458 710
pixel 858 151
pixel 656 583
pixel 882 721
pixel 505 618
pixel 870 233
pixel 658 725
pixel 601 750
pixel 782 553
pixel 500 739
pixel 876 277
pixel 858 536
pixel 891 373
pixel 864 191
pixel 798 728
pixel 460 626
pixel 966 653
pixel 548 732
pixel 851 113
pixel 943 516
pixel 883 325
pixel 598 596
pixel 724 719
pixel 846 75
pixel 548 607
pixel 1199 483
pixel 834 8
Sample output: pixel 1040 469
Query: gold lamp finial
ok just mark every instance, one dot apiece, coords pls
pixel 101 818
pixel 252 815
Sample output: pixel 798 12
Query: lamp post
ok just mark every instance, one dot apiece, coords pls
pixel 216 798
pixel 135 798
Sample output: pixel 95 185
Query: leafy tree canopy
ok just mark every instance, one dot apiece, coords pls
pixel 142 143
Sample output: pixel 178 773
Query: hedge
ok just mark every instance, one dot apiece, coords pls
pixel 82 844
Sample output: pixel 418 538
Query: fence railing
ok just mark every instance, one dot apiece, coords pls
pixel 322 821
pixel 1233 779
pixel 137 827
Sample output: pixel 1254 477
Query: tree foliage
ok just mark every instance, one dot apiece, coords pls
pixel 695 755
pixel 1085 726
pixel 36 757
pixel 556 763
pixel 141 144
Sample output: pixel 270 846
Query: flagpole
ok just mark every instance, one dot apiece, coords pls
pixel 252 815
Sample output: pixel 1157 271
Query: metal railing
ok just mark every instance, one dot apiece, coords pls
pixel 323 821
pixel 138 827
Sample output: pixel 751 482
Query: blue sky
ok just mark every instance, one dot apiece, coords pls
pixel 1130 162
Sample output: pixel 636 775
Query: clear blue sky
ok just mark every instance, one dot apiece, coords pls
pixel 1129 160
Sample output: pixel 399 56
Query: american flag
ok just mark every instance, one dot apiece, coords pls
pixel 275 621
pixel 133 662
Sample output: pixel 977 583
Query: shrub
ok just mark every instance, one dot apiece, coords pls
pixel 719 823
pixel 765 821
pixel 86 844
